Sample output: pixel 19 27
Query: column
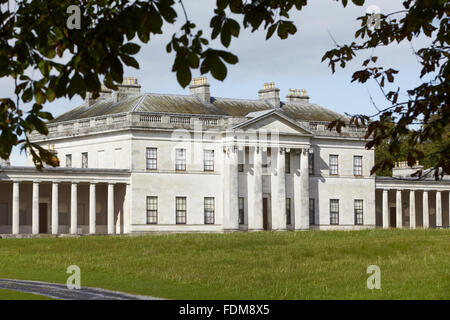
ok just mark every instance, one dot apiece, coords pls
pixel 399 209
pixel 231 206
pixel 55 208
pixel 92 209
pixel 385 209
pixel 426 217
pixel 438 210
pixel 304 188
pixel 127 210
pixel 35 209
pixel 110 208
pixel 278 189
pixel 255 217
pixel 15 208
pixel 412 209
pixel 301 192
pixel 74 208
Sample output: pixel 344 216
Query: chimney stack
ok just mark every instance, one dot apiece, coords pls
pixel 200 88
pixel 297 95
pixel 270 93
pixel 104 94
pixel 128 87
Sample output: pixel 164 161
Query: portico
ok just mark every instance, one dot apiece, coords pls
pixel 412 205
pixel 64 201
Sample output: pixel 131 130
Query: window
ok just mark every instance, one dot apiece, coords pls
pixel 151 162
pixel 359 212
pixel 311 163
pixel 357 165
pixel 180 159
pixel 288 210
pixel 3 213
pixel 333 164
pixel 334 211
pixel 180 210
pixel 84 160
pixel 240 167
pixel 312 216
pixel 209 210
pixel 68 161
pixel 241 210
pixel 152 210
pixel 287 162
pixel 208 160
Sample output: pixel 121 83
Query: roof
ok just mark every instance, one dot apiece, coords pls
pixel 183 104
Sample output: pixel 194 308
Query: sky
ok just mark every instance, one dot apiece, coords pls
pixel 294 63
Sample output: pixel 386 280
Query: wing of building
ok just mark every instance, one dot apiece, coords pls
pixel 135 162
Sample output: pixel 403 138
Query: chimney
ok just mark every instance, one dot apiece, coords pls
pixel 297 95
pixel 270 93
pixel 128 87
pixel 200 88
pixel 104 94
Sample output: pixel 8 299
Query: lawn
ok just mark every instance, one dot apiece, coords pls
pixel 15 295
pixel 415 264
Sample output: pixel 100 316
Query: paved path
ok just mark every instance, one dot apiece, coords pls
pixel 60 291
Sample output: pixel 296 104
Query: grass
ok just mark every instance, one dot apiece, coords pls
pixel 16 295
pixel 415 264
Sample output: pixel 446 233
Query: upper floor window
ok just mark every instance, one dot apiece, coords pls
pixel 208 160
pixel 240 167
pixel 312 216
pixel 68 160
pixel 209 210
pixel 180 159
pixel 287 162
pixel 311 163
pixel 180 214
pixel 358 212
pixel 151 161
pixel 334 211
pixel 241 210
pixel 333 164
pixel 288 211
pixel 152 210
pixel 357 165
pixel 84 160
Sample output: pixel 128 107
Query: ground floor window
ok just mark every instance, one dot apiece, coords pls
pixel 209 210
pixel 180 204
pixel 312 217
pixel 359 212
pixel 241 210
pixel 288 211
pixel 334 211
pixel 152 210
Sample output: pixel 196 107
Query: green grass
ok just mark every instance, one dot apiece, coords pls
pixel 415 264
pixel 16 295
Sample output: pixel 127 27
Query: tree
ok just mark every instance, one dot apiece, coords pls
pixel 71 62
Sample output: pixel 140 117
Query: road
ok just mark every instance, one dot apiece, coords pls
pixel 60 291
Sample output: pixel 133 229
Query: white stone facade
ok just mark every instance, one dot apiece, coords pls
pixel 231 176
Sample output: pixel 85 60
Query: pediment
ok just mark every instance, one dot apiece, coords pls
pixel 274 121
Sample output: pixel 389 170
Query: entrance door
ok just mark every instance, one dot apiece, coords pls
pixel 393 217
pixel 265 224
pixel 42 218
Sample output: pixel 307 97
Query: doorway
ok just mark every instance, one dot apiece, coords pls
pixel 265 218
pixel 393 217
pixel 43 222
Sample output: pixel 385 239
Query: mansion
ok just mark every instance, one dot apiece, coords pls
pixel 133 162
